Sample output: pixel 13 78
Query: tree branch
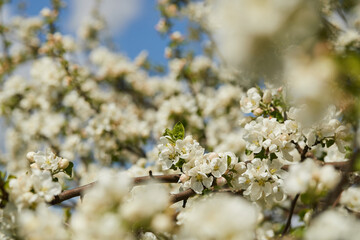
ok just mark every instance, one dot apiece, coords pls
pixel 76 192
pixel 182 195
pixel 170 178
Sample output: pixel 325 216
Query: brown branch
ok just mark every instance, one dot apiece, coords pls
pixel 182 196
pixel 76 192
pixel 174 178
pixel 68 194
pixel 171 178
pixel 304 152
pixel 288 222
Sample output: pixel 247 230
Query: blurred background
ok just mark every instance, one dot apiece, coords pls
pixel 131 24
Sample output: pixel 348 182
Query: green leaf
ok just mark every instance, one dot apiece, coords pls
pixel 228 160
pixel 67 214
pixel 348 151
pixel 228 179
pixel 69 169
pixel 330 142
pixel 261 154
pixel 276 114
pixel 206 191
pixel 305 198
pixel 178 131
pixel 167 132
pixel 298 232
pixel 6 184
pixel 180 163
pixel 273 156
pixel 356 164
pixel 248 152
pixel 310 197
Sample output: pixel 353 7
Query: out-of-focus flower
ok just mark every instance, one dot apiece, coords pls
pixel 209 219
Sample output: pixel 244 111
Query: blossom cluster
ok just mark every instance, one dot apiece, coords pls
pixel 308 177
pixel 260 178
pixel 41 183
pixel 47 161
pixel 272 136
pixel 202 220
pixel 121 210
pixel 269 99
pixel 31 188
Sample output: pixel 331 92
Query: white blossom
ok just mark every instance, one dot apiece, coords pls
pixel 209 219
pixel 308 176
pixel 251 101
pixel 332 225
pixel 351 198
pixel 41 224
pixel 29 189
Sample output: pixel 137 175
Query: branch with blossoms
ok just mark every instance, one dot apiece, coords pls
pixel 79 191
pixel 223 176
pixel 171 178
pixel 245 171
pixel 261 173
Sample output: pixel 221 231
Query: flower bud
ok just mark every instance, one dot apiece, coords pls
pixel 168 52
pixel 221 181
pixel 63 163
pixel 213 155
pixel 334 123
pixel 184 178
pixel 176 36
pixel 30 157
pixel 258 111
pixel 34 166
pixel 161 26
pixel 240 167
pixel 307 217
pixel 267 97
pixel 57 37
pixel 45 12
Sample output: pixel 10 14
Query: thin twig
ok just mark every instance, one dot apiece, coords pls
pixel 288 222
pixel 303 155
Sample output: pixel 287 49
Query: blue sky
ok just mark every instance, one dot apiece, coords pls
pixel 132 23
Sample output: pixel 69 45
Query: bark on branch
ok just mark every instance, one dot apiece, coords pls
pixel 78 191
pixel 171 178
